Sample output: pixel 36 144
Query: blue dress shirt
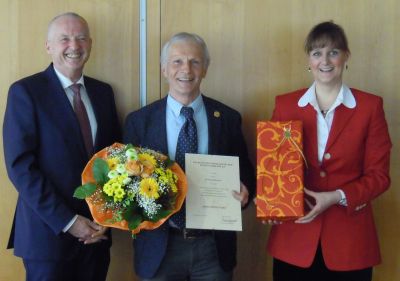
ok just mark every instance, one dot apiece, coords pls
pixel 175 122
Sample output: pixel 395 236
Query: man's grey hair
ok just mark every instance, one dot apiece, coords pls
pixel 185 37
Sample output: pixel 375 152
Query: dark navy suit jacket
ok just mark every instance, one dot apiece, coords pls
pixel 45 156
pixel 147 127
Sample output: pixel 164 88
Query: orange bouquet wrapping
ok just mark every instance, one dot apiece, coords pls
pixel 132 188
pixel 280 168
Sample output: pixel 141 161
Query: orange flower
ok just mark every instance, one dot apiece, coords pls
pixel 148 169
pixel 133 168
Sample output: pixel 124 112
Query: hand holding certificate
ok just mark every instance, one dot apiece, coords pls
pixel 209 201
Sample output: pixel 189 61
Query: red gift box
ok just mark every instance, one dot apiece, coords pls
pixel 280 168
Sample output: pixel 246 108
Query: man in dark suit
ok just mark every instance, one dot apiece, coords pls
pixel 50 131
pixel 172 252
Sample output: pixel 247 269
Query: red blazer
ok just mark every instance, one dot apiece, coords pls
pixel 356 160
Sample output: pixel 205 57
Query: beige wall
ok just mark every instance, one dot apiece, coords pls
pixel 256 50
pixel 114 59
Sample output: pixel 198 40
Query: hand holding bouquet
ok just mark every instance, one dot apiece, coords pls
pixel 132 188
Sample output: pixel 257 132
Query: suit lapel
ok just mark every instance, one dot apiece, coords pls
pixel 214 125
pixel 310 138
pixel 158 127
pixel 59 108
pixel 97 104
pixel 340 120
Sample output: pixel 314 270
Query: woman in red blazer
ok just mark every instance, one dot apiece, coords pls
pixel 347 147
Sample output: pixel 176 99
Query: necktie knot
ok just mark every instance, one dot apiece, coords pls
pixel 75 88
pixel 187 112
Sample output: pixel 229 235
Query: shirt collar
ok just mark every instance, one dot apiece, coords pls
pixel 176 106
pixel 344 97
pixel 66 82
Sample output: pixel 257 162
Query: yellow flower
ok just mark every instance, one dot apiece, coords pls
pixel 174 188
pixel 163 179
pixel 120 179
pixel 147 159
pixel 114 187
pixel 108 189
pixel 159 171
pixel 149 188
pixel 119 194
pixel 171 176
pixel 112 162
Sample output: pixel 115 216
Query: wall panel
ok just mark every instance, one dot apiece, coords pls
pixel 256 54
pixel 114 59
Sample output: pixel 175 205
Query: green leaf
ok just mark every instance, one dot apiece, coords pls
pixel 129 212
pixel 85 190
pixel 118 216
pixel 132 216
pixel 100 171
pixel 134 221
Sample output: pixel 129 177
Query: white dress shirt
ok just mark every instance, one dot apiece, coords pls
pixel 324 123
pixel 66 83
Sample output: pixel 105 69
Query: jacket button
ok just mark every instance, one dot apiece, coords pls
pixel 322 174
pixel 327 156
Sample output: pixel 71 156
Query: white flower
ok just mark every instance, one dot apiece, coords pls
pixel 126 180
pixel 149 205
pixel 120 168
pixel 112 174
pixel 131 154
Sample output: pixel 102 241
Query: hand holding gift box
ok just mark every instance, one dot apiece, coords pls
pixel 280 167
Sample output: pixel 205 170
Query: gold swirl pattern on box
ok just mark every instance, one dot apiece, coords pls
pixel 280 167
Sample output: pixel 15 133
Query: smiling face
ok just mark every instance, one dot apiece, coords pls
pixel 184 69
pixel 69 44
pixel 327 64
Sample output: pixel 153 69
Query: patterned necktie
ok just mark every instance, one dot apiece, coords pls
pixel 187 143
pixel 81 114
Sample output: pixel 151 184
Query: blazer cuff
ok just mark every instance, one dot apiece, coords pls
pixel 343 201
pixel 71 222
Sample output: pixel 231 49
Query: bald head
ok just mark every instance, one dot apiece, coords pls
pixel 55 20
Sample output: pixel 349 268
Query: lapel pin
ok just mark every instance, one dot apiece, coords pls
pixel 217 114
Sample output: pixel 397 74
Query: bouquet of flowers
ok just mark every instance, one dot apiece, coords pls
pixel 132 188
